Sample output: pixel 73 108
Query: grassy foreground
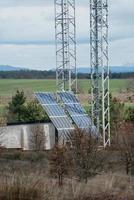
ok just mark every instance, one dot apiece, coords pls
pixel 26 176
pixel 9 86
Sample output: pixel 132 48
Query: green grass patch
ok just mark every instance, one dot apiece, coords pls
pixel 116 85
pixel 8 87
pixel 2 109
pixel 127 105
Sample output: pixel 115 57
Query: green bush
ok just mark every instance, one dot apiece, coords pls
pixel 19 110
pixel 33 156
pixel 33 112
pixel 16 107
pixel 11 155
pixel 130 114
pixel 24 156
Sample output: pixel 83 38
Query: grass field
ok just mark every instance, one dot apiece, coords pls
pixel 9 86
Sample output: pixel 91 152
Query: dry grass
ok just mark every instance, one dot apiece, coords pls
pixel 104 187
pixel 28 180
pixel 22 185
pixel 21 180
pixel 18 187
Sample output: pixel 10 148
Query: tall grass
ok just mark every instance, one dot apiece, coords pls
pixel 28 180
pixel 20 187
pixel 35 186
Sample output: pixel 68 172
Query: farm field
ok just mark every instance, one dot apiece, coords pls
pixel 9 86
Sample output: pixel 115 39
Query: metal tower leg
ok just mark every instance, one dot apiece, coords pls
pixel 65 36
pixel 99 67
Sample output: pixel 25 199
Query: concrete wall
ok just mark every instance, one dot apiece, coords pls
pixel 19 136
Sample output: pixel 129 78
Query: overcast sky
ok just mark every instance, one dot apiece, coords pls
pixel 27 33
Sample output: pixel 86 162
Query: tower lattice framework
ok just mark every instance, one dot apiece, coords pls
pixel 100 67
pixel 65 35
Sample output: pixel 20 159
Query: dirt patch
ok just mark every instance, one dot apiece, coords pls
pixel 123 97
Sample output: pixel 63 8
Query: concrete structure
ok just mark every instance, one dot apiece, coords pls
pixel 19 136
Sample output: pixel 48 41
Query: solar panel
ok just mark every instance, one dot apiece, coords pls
pixel 77 112
pixel 55 112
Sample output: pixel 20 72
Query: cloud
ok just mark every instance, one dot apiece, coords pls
pixel 121 52
pixel 16 3
pixel 26 24
pixel 32 56
pixel 27 32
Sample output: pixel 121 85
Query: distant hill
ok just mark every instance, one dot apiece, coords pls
pixel 34 74
pixel 82 70
pixel 113 69
pixel 121 69
pixel 10 68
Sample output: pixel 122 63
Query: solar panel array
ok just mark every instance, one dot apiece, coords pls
pixel 56 113
pixel 77 112
pixel 58 116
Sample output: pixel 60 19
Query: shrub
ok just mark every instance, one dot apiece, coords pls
pixel 24 156
pixel 37 138
pixel 33 156
pixel 21 111
pixel 130 114
pixel 16 107
pixel 12 155
pixel 33 112
pixel 60 163
pixel 87 159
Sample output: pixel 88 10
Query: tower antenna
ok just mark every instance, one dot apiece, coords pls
pixel 65 36
pixel 100 68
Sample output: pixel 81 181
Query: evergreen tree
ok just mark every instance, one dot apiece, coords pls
pixel 34 112
pixel 17 106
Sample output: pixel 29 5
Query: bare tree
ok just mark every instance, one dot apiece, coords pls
pixel 87 158
pixel 60 163
pixel 2 128
pixel 126 146
pixel 37 137
pixel 1 137
pixel 117 118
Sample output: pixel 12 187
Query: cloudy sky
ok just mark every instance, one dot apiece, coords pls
pixel 27 33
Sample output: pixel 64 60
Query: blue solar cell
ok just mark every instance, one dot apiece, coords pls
pixel 46 98
pixel 68 97
pixel 82 121
pixel 54 110
pixel 76 111
pixel 56 113
pixel 65 125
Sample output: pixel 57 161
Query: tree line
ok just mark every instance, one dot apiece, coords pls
pixel 34 74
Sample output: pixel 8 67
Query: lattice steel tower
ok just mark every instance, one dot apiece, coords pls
pixel 99 67
pixel 65 35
